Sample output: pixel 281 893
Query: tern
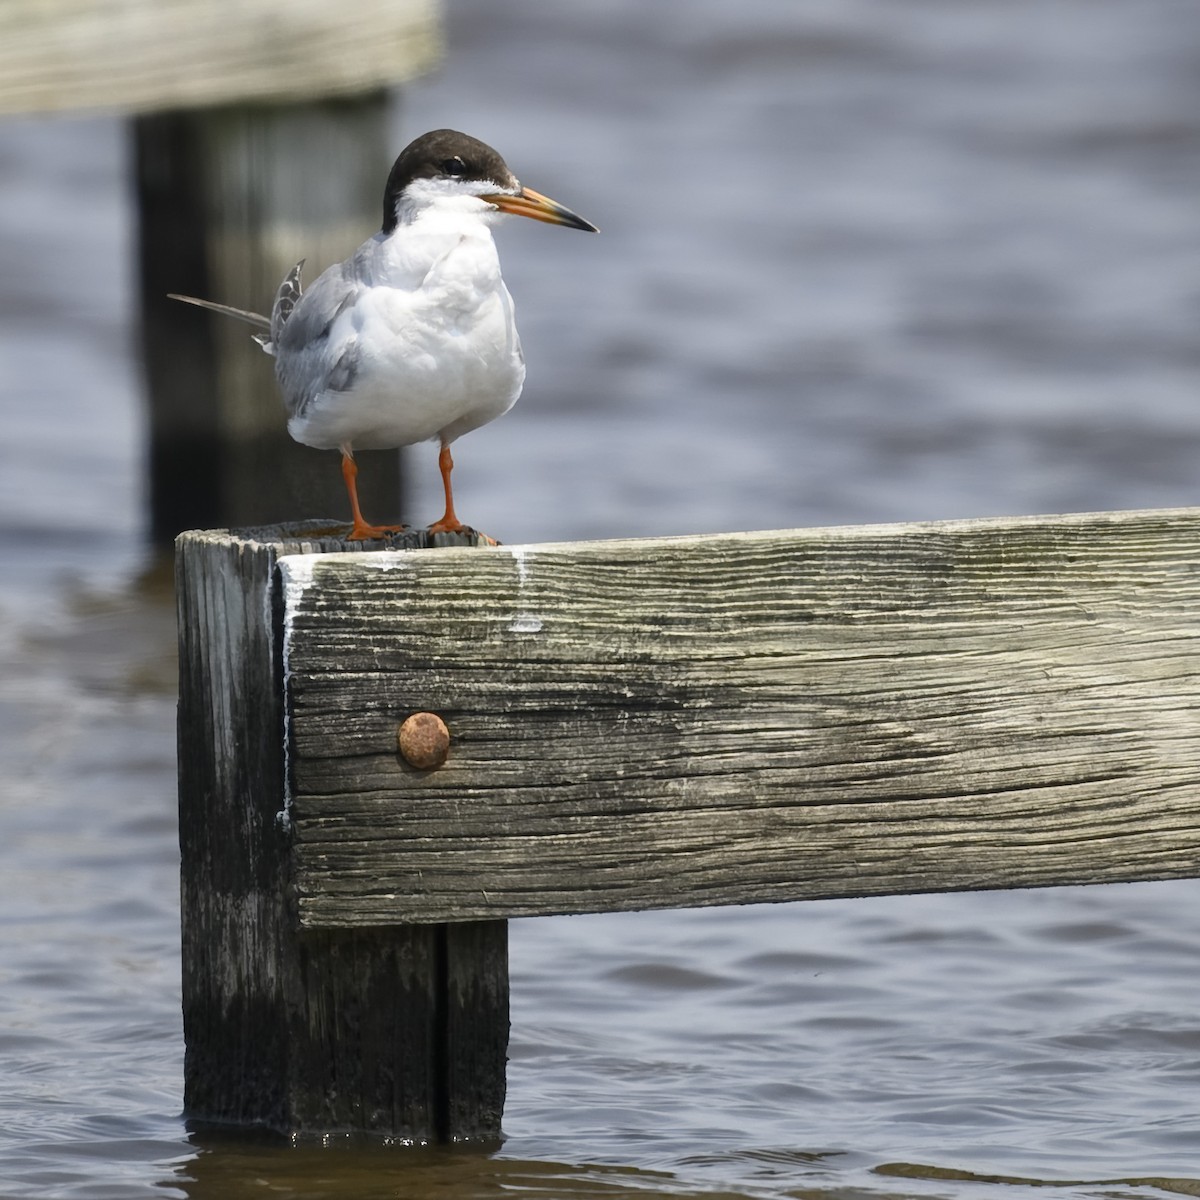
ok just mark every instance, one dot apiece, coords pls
pixel 413 336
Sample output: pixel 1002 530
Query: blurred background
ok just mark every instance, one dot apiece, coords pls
pixel 861 260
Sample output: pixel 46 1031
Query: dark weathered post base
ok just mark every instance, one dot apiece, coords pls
pixel 394 1032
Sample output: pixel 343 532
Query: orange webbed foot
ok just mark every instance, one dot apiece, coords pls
pixel 360 531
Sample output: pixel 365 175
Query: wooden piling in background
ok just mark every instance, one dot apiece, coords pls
pixel 261 135
pixel 230 198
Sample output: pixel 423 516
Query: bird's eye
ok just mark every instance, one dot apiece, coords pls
pixel 454 166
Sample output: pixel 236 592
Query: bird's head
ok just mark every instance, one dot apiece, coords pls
pixel 451 170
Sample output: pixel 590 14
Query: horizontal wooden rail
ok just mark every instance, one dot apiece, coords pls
pixel 746 717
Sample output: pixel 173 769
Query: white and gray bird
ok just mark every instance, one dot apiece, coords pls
pixel 413 337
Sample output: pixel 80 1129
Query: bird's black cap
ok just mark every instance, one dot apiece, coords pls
pixel 448 154
pixel 445 154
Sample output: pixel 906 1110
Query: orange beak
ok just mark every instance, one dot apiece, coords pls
pixel 528 203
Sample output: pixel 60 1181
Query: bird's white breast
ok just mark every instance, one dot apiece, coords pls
pixel 422 342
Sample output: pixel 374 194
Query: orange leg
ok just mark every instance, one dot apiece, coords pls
pixel 362 532
pixel 449 522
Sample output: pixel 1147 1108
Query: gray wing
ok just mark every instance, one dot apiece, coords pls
pixel 306 363
pixel 286 298
pixel 297 332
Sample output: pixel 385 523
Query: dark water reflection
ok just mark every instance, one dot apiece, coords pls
pixel 861 261
pixel 374 1173
pixel 237 1171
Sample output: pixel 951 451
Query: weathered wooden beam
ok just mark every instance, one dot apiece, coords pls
pixel 746 717
pixel 229 201
pixel 396 1031
pixel 139 55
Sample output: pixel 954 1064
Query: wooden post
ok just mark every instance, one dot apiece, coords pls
pixel 230 199
pixel 397 1031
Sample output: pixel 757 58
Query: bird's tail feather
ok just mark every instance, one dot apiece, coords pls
pixel 285 300
pixel 241 314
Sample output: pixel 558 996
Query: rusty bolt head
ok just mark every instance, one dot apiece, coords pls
pixel 424 740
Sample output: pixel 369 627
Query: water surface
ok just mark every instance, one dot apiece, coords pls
pixel 860 261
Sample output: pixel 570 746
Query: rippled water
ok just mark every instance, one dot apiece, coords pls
pixel 860 261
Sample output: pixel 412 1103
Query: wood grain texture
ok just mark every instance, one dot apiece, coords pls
pixel 396 1032
pixel 747 717
pixel 142 55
